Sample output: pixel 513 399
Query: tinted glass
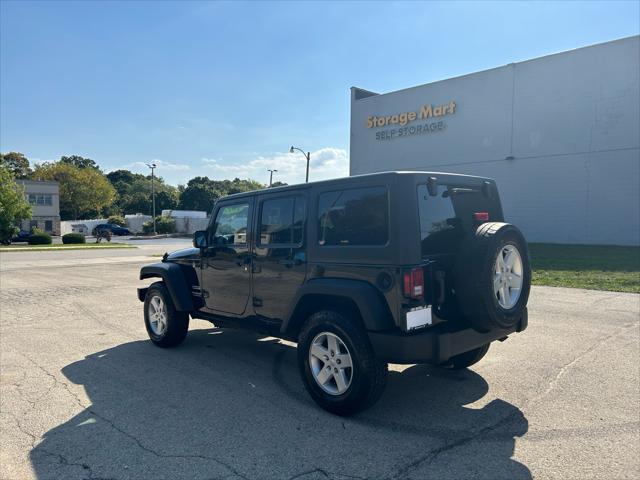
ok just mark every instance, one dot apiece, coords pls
pixel 354 217
pixel 299 216
pixel 231 224
pixel 439 229
pixel 282 221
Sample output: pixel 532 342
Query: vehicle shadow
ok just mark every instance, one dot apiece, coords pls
pixel 230 404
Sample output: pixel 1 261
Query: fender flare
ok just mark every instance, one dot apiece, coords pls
pixel 176 283
pixel 374 310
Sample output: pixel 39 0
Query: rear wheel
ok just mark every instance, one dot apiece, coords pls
pixel 338 365
pixel 166 326
pixel 467 359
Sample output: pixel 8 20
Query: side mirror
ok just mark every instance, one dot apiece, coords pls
pixel 200 239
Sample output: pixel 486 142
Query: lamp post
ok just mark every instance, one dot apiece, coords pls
pixel 307 155
pixel 271 175
pixel 152 166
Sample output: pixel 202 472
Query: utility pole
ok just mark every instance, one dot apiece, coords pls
pixel 307 155
pixel 152 166
pixel 271 175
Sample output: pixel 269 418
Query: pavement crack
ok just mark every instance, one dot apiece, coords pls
pixel 433 454
pixel 163 455
pixel 62 460
pixel 324 473
pixel 554 381
pixel 34 438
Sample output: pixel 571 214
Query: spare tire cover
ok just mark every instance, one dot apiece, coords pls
pixel 493 277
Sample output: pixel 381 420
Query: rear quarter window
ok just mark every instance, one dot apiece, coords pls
pixel 358 216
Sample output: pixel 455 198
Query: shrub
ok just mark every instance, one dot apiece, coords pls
pixel 73 238
pixel 118 220
pixel 163 225
pixel 39 238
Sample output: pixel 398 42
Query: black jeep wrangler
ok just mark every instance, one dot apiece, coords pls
pixel 401 267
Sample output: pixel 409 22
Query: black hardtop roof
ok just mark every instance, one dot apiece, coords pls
pixel 355 178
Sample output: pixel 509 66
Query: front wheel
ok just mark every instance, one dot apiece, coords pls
pixel 338 365
pixel 166 326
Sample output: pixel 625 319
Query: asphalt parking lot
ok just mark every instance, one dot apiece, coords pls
pixel 83 394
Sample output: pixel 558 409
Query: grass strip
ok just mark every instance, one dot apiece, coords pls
pixel 594 267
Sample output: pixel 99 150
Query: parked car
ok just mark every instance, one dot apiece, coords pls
pixel 400 267
pixel 112 227
pixel 21 237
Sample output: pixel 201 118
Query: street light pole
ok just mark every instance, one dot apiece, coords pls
pixel 307 155
pixel 271 175
pixel 152 166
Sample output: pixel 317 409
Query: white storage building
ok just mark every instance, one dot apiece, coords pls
pixel 560 134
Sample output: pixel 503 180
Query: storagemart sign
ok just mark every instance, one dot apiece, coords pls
pixel 425 118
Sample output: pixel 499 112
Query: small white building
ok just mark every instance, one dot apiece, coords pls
pixel 188 221
pixel 44 198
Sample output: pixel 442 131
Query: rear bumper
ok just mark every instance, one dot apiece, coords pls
pixel 435 345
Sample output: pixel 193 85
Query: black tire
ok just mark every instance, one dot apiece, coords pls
pixel 475 274
pixel 177 322
pixel 369 374
pixel 467 359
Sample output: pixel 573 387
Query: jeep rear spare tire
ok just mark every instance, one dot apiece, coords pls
pixel 493 277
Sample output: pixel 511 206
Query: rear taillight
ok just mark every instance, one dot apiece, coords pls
pixel 481 216
pixel 414 283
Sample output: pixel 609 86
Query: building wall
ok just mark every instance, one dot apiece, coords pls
pixel 42 215
pixel 560 134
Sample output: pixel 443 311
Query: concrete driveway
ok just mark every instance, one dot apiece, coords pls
pixel 85 395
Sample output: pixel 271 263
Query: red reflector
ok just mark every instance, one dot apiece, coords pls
pixel 414 283
pixel 481 216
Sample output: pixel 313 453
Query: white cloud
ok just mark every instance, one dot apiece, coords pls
pixel 161 164
pixel 39 161
pixel 325 163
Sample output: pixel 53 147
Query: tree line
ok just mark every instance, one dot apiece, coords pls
pixel 87 192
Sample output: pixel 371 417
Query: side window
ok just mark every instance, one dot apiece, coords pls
pixel 231 223
pixel 357 216
pixel 282 221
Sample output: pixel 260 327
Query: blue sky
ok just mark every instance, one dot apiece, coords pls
pixel 223 89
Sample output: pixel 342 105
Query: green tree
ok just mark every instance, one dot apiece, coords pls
pixel 84 192
pixel 202 192
pixel 17 164
pixel 199 194
pixel 80 162
pixel 118 220
pixel 13 205
pixel 134 192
